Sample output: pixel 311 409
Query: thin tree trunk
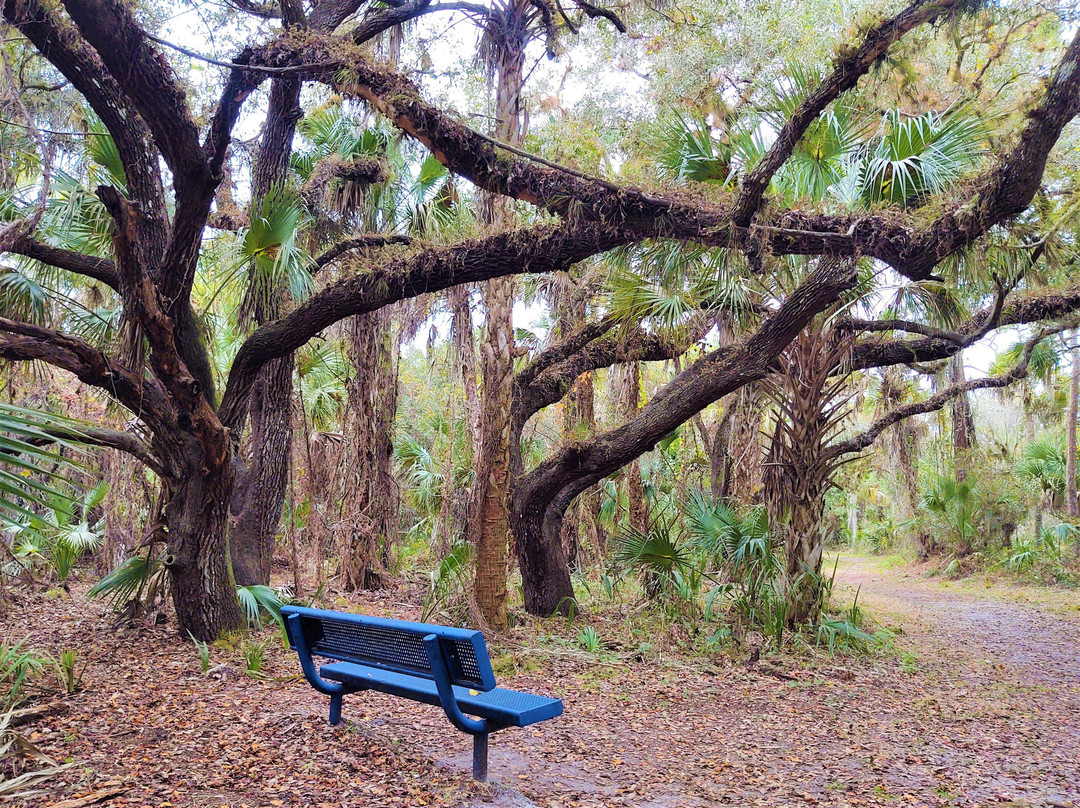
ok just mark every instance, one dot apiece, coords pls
pixel 580 528
pixel 745 452
pixel 260 493
pixel 367 488
pixel 497 351
pixel 963 421
pixel 262 480
pixel 629 403
pixel 1071 505
pixel 461 328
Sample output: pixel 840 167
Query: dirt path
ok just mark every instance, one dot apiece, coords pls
pixel 977 704
pixel 1038 646
pixel 981 708
pixel 1008 670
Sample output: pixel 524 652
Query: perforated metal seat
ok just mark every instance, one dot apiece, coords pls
pixel 502 707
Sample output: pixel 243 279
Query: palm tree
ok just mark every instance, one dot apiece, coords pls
pixel 1045 464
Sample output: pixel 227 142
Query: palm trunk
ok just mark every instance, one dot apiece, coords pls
pixel 798 470
pixel 497 351
pixel 367 488
pixel 493 477
pixel 1071 505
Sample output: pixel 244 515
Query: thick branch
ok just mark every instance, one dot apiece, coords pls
pixel 1033 308
pixel 564 348
pixel 911 249
pixel 365 242
pixel 705 381
pixel 939 400
pixel 539 249
pixel 146 78
pixel 167 348
pixel 536 389
pixel 22 342
pixel 100 269
pixel 107 438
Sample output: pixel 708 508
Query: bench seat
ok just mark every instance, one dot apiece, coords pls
pixel 505 708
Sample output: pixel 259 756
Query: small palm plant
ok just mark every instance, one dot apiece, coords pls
pixel 1043 463
pixel 63 534
pixel 657 554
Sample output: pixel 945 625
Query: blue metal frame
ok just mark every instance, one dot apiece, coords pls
pixel 477 727
pixel 335 690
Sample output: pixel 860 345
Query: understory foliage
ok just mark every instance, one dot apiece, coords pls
pixel 722 566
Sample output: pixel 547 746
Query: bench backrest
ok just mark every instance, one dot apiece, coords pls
pixel 394 645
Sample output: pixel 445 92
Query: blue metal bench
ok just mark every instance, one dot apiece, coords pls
pixel 439 665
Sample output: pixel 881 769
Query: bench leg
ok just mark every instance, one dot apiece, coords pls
pixel 480 757
pixel 335 709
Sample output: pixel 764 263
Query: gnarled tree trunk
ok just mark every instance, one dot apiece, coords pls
pixel 203 588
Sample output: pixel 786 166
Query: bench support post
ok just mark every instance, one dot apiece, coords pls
pixel 335 708
pixel 480 756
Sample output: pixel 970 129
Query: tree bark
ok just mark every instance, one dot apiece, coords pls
pixel 263 479
pixel 744 450
pixel 629 403
pixel 368 491
pixel 203 589
pixel 580 531
pixel 810 406
pixel 1071 504
pixel 509 32
pixel 260 491
pixel 963 420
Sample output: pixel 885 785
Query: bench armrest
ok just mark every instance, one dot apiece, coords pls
pixel 473 726
pixel 307 664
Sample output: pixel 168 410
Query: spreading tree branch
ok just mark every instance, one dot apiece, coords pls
pixel 365 242
pixel 574 468
pixel 1020 370
pixel 99 269
pixel 105 437
pixel 913 250
pixel 23 342
pixel 1031 308
pixel 147 79
pixel 544 248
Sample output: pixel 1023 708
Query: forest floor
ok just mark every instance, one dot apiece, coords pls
pixel 975 702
